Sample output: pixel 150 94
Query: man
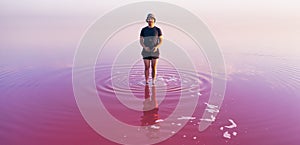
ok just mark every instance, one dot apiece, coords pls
pixel 150 39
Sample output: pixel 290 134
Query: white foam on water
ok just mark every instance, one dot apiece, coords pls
pixel 159 78
pixel 226 135
pixel 233 124
pixel 211 106
pixel 154 126
pixel 211 119
pixel 159 120
pixel 171 79
pixel 141 83
pixel 186 118
pixel 212 110
pixel 199 94
pixel 234 133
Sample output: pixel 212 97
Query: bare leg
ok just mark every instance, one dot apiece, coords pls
pixel 153 66
pixel 147 67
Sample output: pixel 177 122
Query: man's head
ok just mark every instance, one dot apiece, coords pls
pixel 150 18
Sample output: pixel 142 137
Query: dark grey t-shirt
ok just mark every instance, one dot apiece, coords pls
pixel 150 36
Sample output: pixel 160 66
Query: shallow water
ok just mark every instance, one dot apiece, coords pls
pixel 37 104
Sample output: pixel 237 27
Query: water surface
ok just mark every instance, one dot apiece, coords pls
pixel 37 104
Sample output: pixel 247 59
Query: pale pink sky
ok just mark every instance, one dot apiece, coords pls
pixel 264 26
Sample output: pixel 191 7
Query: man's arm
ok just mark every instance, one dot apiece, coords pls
pixel 159 43
pixel 142 44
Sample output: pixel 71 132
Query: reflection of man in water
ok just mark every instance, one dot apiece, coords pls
pixel 150 112
pixel 150 40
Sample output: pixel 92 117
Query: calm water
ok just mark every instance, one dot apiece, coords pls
pixel 260 107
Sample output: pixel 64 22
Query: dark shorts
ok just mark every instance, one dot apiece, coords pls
pixel 151 57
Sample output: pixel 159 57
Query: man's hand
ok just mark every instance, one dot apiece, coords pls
pixel 154 49
pixel 147 49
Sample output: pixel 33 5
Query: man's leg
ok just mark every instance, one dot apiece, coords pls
pixel 147 67
pixel 153 66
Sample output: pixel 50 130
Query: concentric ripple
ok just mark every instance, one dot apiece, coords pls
pixel 129 83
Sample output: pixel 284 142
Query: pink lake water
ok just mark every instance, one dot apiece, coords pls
pixel 38 107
